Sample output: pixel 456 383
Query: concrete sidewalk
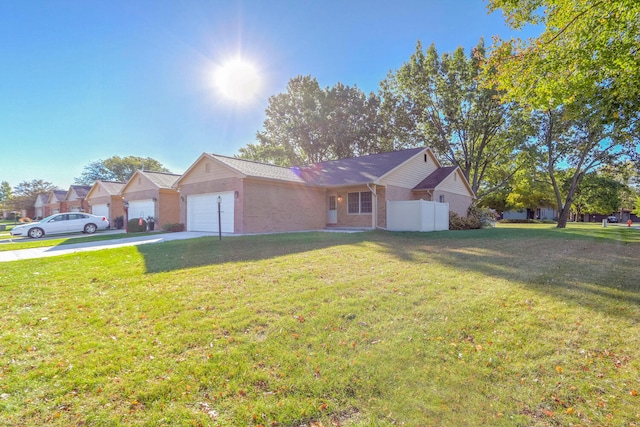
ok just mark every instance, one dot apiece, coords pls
pixel 94 246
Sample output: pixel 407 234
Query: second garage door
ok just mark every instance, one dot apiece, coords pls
pixel 101 210
pixel 202 212
pixel 141 209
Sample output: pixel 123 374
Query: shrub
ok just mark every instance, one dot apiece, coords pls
pixel 457 222
pixel 486 216
pixel 119 222
pixel 135 225
pixel 173 227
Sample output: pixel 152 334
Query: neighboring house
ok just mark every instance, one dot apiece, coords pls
pixel 152 194
pixel 41 202
pixel 56 202
pixel 75 198
pixel 256 197
pixel 104 199
pixel 541 213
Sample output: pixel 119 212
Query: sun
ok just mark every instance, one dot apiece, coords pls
pixel 238 80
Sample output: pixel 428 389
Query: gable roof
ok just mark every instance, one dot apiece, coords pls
pixel 356 170
pixel 111 187
pixel 162 180
pixel 43 198
pixel 436 177
pixel 56 196
pixel 80 190
pixel 259 170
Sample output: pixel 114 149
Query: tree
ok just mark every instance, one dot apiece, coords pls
pixel 578 141
pixel 308 124
pixel 588 49
pixel 5 195
pixel 25 193
pixel 117 168
pixel 597 194
pixel 442 101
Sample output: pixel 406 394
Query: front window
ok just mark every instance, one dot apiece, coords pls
pixel 360 202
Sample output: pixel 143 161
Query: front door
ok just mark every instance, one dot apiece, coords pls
pixel 332 214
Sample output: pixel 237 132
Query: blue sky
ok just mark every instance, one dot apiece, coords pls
pixel 84 80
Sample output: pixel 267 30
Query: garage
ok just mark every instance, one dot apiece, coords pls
pixel 202 212
pixel 141 209
pixel 101 210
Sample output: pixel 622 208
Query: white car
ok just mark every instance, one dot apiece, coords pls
pixel 69 222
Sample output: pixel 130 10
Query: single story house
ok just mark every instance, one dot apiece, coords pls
pixel 104 199
pixel 41 202
pixel 152 194
pixel 256 197
pixel 56 202
pixel 75 198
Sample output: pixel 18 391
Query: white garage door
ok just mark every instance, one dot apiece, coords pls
pixel 202 212
pixel 101 210
pixel 141 209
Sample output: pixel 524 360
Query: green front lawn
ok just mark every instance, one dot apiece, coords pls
pixel 17 243
pixel 513 326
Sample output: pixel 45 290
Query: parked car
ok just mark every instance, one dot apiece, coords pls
pixel 70 222
pixel 612 218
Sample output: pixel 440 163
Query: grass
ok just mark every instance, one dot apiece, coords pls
pixel 26 243
pixel 513 326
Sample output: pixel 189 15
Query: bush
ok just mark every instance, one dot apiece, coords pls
pixel 118 222
pixel 457 222
pixel 135 225
pixel 173 227
pixel 486 216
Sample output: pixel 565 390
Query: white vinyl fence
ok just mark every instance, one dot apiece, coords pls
pixel 417 215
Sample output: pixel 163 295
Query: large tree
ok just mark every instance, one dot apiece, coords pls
pixel 587 49
pixel 25 193
pixel 442 102
pixel 308 124
pixel 117 168
pixel 597 194
pixel 5 196
pixel 575 141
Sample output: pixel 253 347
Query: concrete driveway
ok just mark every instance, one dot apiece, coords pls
pixel 94 246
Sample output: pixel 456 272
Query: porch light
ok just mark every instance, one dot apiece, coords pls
pixel 339 198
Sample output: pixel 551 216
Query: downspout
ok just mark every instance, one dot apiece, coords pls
pixel 374 210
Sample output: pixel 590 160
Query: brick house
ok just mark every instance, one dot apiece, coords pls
pixel 104 199
pixel 75 198
pixel 56 202
pixel 256 197
pixel 152 194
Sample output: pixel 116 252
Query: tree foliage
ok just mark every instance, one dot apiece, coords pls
pixel 442 102
pixel 308 124
pixel 117 168
pixel 587 49
pixel 25 193
pixel 574 142
pixel 597 194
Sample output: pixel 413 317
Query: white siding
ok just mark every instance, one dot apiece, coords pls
pixel 411 173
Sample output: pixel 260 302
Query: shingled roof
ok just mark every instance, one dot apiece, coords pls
pixel 356 170
pixel 80 190
pixel 436 177
pixel 112 187
pixel 259 170
pixel 161 179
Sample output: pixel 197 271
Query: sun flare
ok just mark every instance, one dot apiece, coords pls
pixel 238 80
